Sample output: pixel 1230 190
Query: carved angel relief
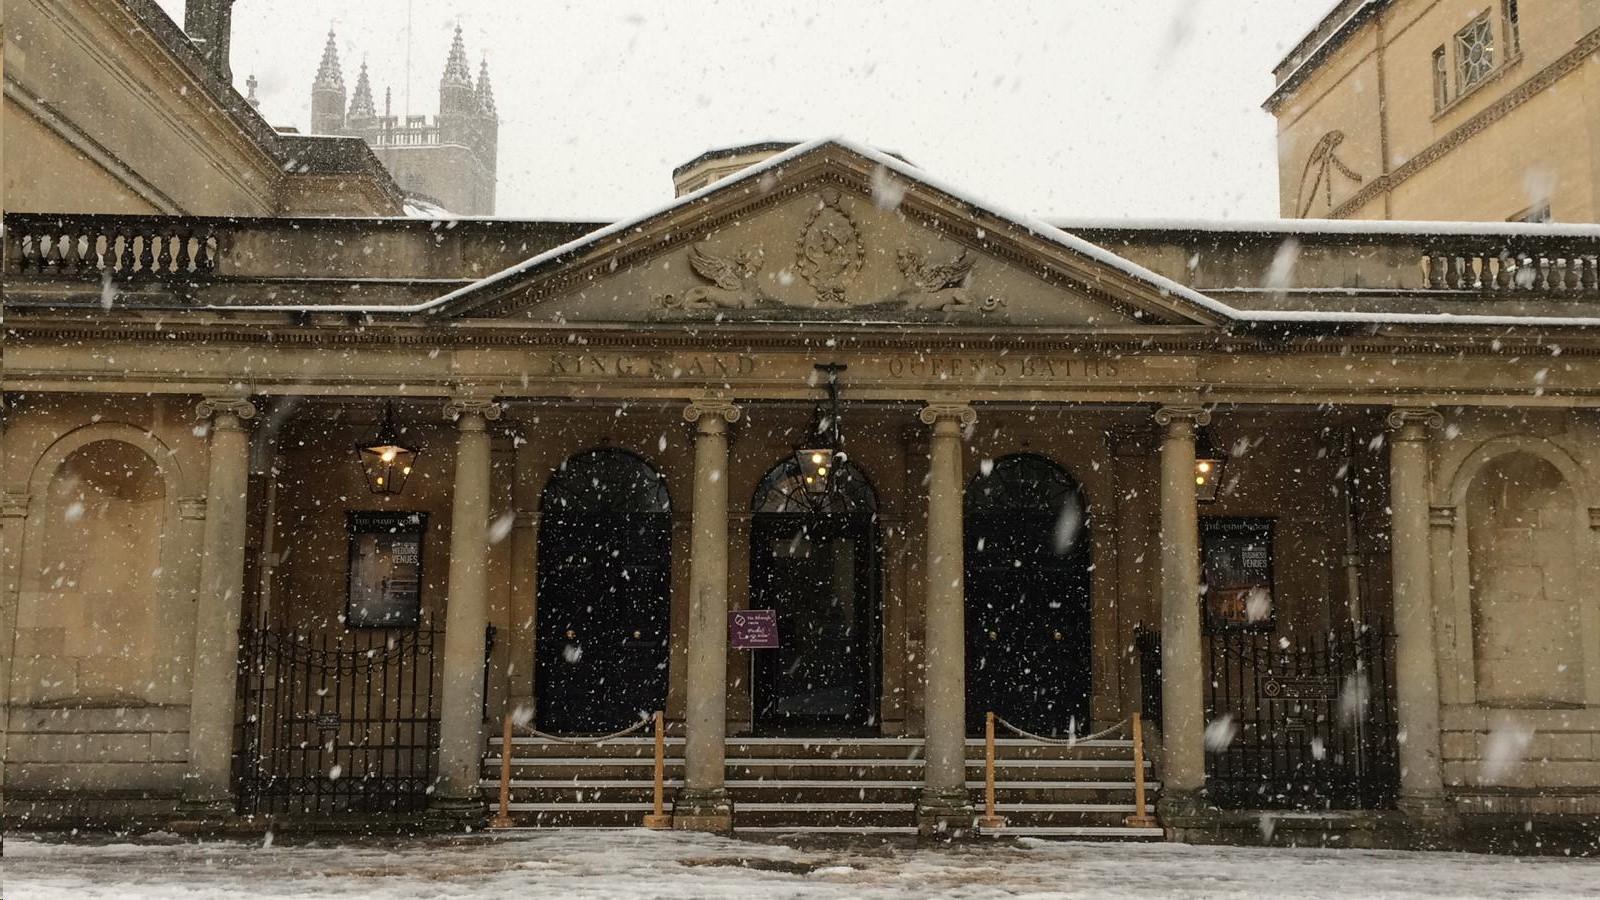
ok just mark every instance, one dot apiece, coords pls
pixel 942 286
pixel 733 281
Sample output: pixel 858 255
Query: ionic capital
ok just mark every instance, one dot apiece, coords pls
pixel 1412 424
pixel 1194 416
pixel 466 411
pixel 946 411
pixel 711 411
pixel 220 409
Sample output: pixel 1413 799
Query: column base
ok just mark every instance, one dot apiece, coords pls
pixel 203 815
pixel 708 810
pixel 458 813
pixel 944 813
pixel 1431 821
pixel 1175 807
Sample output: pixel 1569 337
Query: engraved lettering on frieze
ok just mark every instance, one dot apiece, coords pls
pixel 830 252
pixel 733 281
pixel 996 368
pixel 658 367
pixel 944 287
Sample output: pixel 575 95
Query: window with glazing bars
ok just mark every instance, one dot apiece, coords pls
pixel 1474 53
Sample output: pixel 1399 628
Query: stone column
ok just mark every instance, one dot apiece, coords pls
pixel 945 807
pixel 1183 671
pixel 703 803
pixel 218 606
pixel 466 614
pixel 1416 664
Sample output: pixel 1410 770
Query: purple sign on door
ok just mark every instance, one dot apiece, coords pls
pixel 753 629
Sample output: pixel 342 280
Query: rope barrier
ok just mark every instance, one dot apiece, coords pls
pixel 1068 742
pixel 637 726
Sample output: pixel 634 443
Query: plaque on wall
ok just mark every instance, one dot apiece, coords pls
pixel 385 580
pixel 1236 568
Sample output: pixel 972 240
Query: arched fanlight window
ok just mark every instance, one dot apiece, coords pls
pixel 609 480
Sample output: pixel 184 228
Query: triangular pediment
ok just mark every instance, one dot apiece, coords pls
pixel 831 232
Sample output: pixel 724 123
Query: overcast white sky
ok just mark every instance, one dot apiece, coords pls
pixel 1061 108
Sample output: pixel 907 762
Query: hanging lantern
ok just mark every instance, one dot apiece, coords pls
pixel 820 457
pixel 1208 466
pixel 385 461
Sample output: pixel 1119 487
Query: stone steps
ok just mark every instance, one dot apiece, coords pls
pixel 826 786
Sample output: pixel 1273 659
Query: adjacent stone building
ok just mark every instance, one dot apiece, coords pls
pixel 109 107
pixel 1459 109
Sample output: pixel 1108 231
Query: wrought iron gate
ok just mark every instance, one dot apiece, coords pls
pixel 336 724
pixel 1302 723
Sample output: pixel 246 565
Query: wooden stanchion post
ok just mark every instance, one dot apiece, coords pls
pixel 989 821
pixel 503 818
pixel 1141 817
pixel 659 818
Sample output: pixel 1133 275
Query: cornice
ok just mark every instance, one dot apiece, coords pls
pixel 1530 341
pixel 1536 84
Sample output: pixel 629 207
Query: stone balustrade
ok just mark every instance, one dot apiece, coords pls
pixel 405 260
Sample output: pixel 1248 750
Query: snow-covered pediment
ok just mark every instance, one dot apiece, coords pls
pixel 830 232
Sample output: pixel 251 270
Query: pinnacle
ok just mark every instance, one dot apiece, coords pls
pixel 361 101
pixel 456 68
pixel 485 91
pixel 328 73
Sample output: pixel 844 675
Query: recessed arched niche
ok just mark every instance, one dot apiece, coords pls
pixel 1523 564
pixel 99 574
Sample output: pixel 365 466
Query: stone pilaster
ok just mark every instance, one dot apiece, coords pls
pixel 218 605
pixel 1183 673
pixel 703 803
pixel 1416 657
pixel 461 731
pixel 945 808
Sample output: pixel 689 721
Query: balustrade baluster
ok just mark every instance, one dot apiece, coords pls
pixel 125 258
pixel 163 254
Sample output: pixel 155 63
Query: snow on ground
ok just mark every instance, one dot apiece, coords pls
pixel 637 864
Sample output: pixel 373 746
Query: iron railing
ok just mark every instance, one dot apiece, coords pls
pixel 1301 722
pixel 335 724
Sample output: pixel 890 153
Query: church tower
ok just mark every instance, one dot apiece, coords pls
pixel 327 93
pixel 449 162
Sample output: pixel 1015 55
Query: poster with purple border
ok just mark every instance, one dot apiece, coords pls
pixel 753 629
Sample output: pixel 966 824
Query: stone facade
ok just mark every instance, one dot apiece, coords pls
pixel 1367 128
pixel 178 460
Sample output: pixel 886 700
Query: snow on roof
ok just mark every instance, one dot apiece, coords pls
pixel 1339 226
pixel 890 163
pixel 1047 231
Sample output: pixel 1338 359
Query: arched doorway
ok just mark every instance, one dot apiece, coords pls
pixel 604 593
pixel 1027 596
pixel 814 558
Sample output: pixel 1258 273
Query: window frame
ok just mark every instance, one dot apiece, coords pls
pixel 1479 25
pixel 1441 78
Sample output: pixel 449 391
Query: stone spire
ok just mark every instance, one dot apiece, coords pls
pixel 329 75
pixel 485 92
pixel 456 69
pixel 458 101
pixel 327 92
pixel 361 105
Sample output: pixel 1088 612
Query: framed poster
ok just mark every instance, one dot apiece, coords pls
pixel 1236 568
pixel 385 580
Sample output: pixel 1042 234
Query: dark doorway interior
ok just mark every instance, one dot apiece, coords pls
pixel 1028 570
pixel 604 594
pixel 815 559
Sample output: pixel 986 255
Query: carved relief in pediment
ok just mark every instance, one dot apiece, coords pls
pixel 829 255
